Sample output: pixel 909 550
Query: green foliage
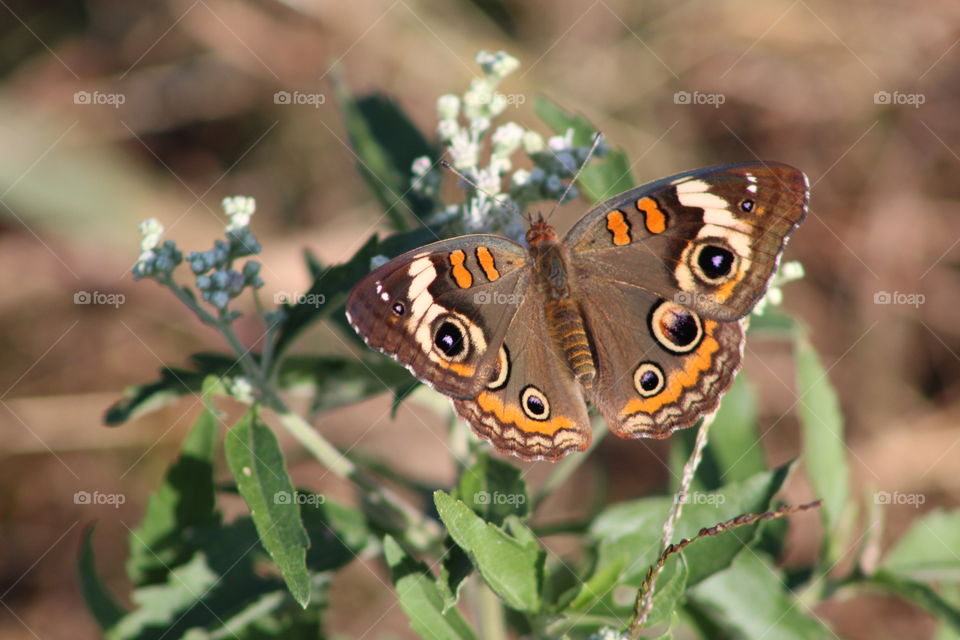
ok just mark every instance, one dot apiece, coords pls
pixel 266 574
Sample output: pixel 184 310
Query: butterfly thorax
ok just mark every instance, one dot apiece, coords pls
pixel 562 313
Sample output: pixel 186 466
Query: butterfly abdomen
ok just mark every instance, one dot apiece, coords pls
pixel 566 328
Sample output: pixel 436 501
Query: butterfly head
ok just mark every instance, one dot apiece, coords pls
pixel 540 232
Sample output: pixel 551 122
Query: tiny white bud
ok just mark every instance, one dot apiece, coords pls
pixel 447 129
pixel 151 230
pixel 532 142
pixel 792 270
pixel 506 138
pixel 421 166
pixel 448 107
pixel 239 209
pixel 520 178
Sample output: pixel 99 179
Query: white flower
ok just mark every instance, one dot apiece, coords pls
pixel 447 129
pixel 421 166
pixel 532 142
pixel 448 107
pixel 791 271
pixel 239 209
pixel 520 178
pixel 506 139
pixel 151 230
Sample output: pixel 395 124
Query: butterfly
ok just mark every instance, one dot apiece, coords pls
pixel 639 309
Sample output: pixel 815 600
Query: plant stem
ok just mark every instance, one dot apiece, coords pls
pixel 644 602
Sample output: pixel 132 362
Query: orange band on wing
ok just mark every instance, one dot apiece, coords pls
pixel 461 275
pixel 487 263
pixel 697 363
pixel 654 219
pixel 514 415
pixel 460 369
pixel 617 225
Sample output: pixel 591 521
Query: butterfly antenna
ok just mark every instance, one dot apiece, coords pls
pixel 596 143
pixel 508 204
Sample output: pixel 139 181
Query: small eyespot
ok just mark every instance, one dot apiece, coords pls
pixel 676 328
pixel 534 404
pixel 648 379
pixel 398 308
pixel 450 338
pixel 746 206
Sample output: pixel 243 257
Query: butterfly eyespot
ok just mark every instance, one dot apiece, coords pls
pixel 503 370
pixel 534 403
pixel 398 308
pixel 713 262
pixel 676 328
pixel 648 379
pixel 746 206
pixel 450 339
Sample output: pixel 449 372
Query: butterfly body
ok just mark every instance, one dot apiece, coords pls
pixel 637 309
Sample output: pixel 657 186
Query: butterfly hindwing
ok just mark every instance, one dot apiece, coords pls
pixel 531 406
pixel 709 239
pixel 660 364
pixel 442 310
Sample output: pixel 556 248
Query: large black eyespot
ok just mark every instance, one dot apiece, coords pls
pixel 676 328
pixel 535 405
pixel 449 339
pixel 715 262
pixel 648 379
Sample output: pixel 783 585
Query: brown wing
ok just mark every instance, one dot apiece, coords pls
pixel 709 239
pixel 442 310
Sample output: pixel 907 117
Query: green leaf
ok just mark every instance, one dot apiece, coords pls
pixel 420 598
pixel 338 533
pixel 822 426
pixel 599 180
pixel 104 609
pixel 335 381
pixel 920 594
pixel 751 598
pixel 632 529
pixel 186 499
pixel 928 550
pixel 513 569
pixel 599 586
pixel 494 489
pixel 163 606
pixel 386 143
pixel 260 473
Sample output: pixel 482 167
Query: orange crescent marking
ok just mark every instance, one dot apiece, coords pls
pixel 461 275
pixel 514 415
pixel 487 263
pixel 700 360
pixel 653 217
pixel 618 226
pixel 464 370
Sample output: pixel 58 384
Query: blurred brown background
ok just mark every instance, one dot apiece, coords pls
pixel 176 110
